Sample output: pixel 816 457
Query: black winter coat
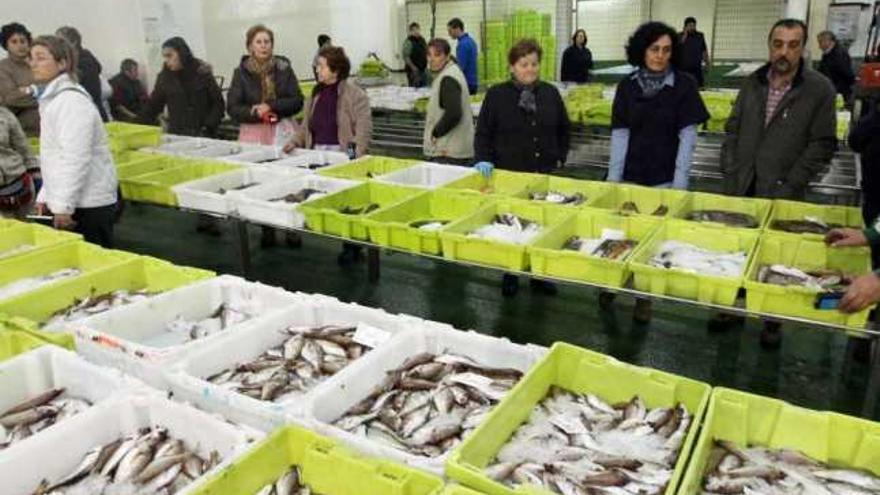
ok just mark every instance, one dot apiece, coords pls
pixel 246 91
pixel 837 66
pixel 193 98
pixel 88 71
pixel 865 140
pixel 576 64
pixel 511 139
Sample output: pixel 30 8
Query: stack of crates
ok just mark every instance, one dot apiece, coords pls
pixel 497 44
pixel 502 34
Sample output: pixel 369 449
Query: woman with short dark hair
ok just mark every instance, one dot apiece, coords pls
pixel 449 121
pixel 16 78
pixel 577 60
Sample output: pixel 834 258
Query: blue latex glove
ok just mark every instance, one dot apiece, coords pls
pixel 485 168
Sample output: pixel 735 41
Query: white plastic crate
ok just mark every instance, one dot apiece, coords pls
pixel 58 452
pixel 199 147
pixel 334 398
pixel 255 204
pixel 49 367
pixel 427 175
pixel 309 159
pixel 187 379
pixel 204 194
pixel 256 154
pixel 139 330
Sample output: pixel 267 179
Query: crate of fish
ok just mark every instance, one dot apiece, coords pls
pixel 567 192
pixel 718 210
pixel 278 203
pixel 145 163
pixel 215 194
pixel 48 385
pixel 499 233
pixel 426 175
pixel 789 273
pixel 754 444
pixel 54 306
pixel 367 167
pixel 26 237
pixel 627 199
pixel 415 224
pixel 30 271
pixel 128 444
pixel 812 220
pixel 593 246
pixel 693 261
pixel 125 136
pixel 309 160
pixel 200 148
pixel 157 186
pixel 293 460
pixel 13 343
pixel 165 327
pixel 258 154
pixel 414 399
pixel 343 212
pixel 583 422
pixel 501 182
pixel 264 374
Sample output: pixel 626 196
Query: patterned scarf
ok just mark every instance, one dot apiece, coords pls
pixel 651 82
pixel 265 71
pixel 527 100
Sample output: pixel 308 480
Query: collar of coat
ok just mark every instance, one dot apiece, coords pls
pixel 763 78
pixel 669 80
pixel 281 62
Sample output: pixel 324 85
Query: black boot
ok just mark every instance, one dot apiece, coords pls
pixel 267 238
pixel 771 335
pixel 643 310
pixel 293 239
pixel 544 287
pixel 509 285
pixel 606 300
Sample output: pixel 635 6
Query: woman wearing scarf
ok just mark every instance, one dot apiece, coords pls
pixel 654 121
pixel 523 126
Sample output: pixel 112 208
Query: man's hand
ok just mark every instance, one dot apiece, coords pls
pixel 862 293
pixel 846 238
pixel 63 221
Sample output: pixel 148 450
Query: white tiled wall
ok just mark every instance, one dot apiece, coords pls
pixel 609 23
pixel 741 28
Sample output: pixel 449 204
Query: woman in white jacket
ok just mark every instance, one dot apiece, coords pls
pixel 79 179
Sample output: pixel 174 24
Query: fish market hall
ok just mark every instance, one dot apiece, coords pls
pixel 439 247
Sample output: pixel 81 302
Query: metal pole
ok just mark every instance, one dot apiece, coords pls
pixel 373 265
pixel 714 35
pixel 243 246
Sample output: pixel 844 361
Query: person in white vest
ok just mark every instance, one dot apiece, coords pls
pixel 449 123
pixel 79 178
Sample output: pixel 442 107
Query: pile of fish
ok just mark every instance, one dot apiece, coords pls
pixel 508 228
pixel 359 210
pixel 428 404
pixel 577 444
pixel 729 218
pixel 630 208
pixel 732 470
pixel 148 462
pixel 683 256
pixel 36 414
pixel 30 283
pixel 22 248
pixel 612 245
pixel 819 280
pixel 93 305
pixel 429 225
pixel 809 225
pixel 558 198
pixel 301 196
pixel 309 356
pixel 228 314
pixel 289 484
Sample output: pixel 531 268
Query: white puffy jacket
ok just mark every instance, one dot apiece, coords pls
pixel 75 159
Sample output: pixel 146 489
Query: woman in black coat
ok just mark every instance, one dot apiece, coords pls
pixel 577 60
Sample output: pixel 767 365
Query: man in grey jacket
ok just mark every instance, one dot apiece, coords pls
pixel 781 132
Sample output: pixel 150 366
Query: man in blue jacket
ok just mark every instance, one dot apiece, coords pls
pixel 466 53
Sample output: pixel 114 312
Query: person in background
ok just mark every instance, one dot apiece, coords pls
pixel 782 130
pixel 694 53
pixel 18 168
pixel 129 96
pixel 449 122
pixel 577 60
pixel 88 68
pixel 523 126
pixel 415 55
pixel 337 117
pixel 864 291
pixel 465 53
pixel 16 78
pixel 323 42
pixel 836 65
pixel 864 139
pixel 79 178
pixel 654 121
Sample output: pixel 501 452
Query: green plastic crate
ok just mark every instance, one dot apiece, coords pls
pixel 141 273
pixel 156 187
pixel 758 208
pixel 86 257
pixel 459 490
pixel 25 326
pixel 366 167
pixel 549 259
pixel 688 285
pixel 846 216
pixel 125 136
pixel 501 183
pixel 581 371
pixel 13 343
pixel 805 254
pixel 457 244
pixel 323 215
pixel 325 466
pixel 647 199
pixel 592 190
pixel 29 234
pixel 136 166
pixel 747 420
pixel 391 227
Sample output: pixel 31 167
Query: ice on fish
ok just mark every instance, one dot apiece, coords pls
pixel 93 305
pixel 508 228
pixel 232 312
pixel 729 218
pixel 557 197
pixel 429 225
pixel 31 283
pixel 687 257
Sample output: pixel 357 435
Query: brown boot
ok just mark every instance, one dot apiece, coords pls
pixel 643 310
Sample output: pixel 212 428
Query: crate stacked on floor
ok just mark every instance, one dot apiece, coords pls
pixel 502 34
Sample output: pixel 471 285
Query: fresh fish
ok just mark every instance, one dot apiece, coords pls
pixel 428 225
pixel 242 187
pixel 808 225
pixel 558 198
pixel 729 218
pixel 508 228
pixel 818 280
pixel 93 305
pixel 300 196
pixel 359 210
pixel 86 466
pixel 37 401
